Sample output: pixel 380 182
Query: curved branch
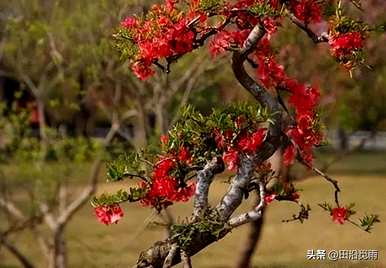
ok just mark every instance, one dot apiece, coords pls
pixel 248 164
pixel 316 38
pixel 204 179
pixel 252 215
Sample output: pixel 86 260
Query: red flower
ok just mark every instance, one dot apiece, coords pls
pixel 219 138
pixel 170 5
pixel 303 98
pixel 164 139
pixel 345 44
pixel 231 159
pixel 109 214
pixel 270 26
pixel 289 155
pixel 270 72
pixel 339 215
pixel 184 155
pixel 258 137
pixel 269 198
pixel 163 187
pixel 129 22
pixel 141 70
pixel 163 167
pixel 306 10
pixel 220 43
pixel 250 143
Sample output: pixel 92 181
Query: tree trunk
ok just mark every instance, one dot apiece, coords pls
pixel 58 256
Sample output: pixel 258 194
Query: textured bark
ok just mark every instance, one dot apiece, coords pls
pixel 248 248
pixel 58 256
pixel 204 179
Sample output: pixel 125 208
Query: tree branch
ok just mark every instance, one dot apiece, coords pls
pixel 252 215
pixel 11 208
pixel 204 179
pixel 26 263
pixel 248 163
pixel 316 38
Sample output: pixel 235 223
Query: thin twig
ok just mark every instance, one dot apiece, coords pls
pixel 316 38
pixel 325 176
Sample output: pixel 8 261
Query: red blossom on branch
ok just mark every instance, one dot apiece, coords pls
pixel 289 155
pixel 129 22
pixel 308 11
pixel 231 159
pixel 346 44
pixel 249 143
pixel 109 214
pixel 339 215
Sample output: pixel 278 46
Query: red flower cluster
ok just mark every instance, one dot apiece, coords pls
pixel 162 35
pixel 271 73
pixel 346 44
pixel 289 155
pixel 339 215
pixel 308 11
pixel 164 189
pixel 223 40
pixel 231 159
pixel 109 214
pixel 304 134
pixel 249 143
pixel 303 99
pixel 244 143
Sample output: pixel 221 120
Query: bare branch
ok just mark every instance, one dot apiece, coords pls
pixel 11 208
pixel 25 262
pixel 327 177
pixel 47 215
pixel 316 38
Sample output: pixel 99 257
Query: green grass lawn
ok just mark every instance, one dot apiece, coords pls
pixel 92 244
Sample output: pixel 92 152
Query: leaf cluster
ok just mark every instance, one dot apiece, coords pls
pixel 133 195
pixel 196 131
pixel 131 164
pixel 368 221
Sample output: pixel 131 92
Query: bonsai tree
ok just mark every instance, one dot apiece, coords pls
pixel 240 137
